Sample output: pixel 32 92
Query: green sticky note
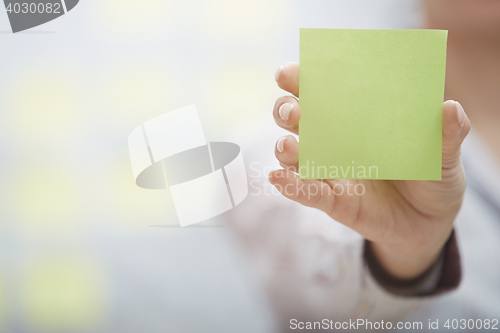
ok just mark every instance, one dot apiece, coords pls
pixel 371 103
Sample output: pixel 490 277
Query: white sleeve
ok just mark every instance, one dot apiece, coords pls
pixel 311 266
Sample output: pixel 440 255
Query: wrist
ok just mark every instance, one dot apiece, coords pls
pixel 403 264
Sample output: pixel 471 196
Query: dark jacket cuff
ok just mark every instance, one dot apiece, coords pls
pixel 442 277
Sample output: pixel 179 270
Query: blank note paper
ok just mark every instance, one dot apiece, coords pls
pixel 371 103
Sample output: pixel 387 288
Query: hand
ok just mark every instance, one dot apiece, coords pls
pixel 406 222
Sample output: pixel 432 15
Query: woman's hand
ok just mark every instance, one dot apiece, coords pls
pixel 406 222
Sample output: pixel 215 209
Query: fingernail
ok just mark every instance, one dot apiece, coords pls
pixel 460 114
pixel 285 110
pixel 277 74
pixel 281 144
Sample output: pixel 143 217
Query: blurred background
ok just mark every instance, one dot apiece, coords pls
pixel 82 249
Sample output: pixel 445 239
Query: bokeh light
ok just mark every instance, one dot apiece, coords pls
pixel 46 197
pixel 133 92
pixel 123 20
pixel 131 205
pixel 247 22
pixel 63 294
pixel 45 104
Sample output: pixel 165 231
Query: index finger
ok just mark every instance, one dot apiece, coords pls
pixel 287 77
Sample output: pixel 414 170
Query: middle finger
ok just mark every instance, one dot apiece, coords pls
pixel 287 113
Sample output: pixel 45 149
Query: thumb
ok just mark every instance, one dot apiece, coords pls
pixel 456 126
